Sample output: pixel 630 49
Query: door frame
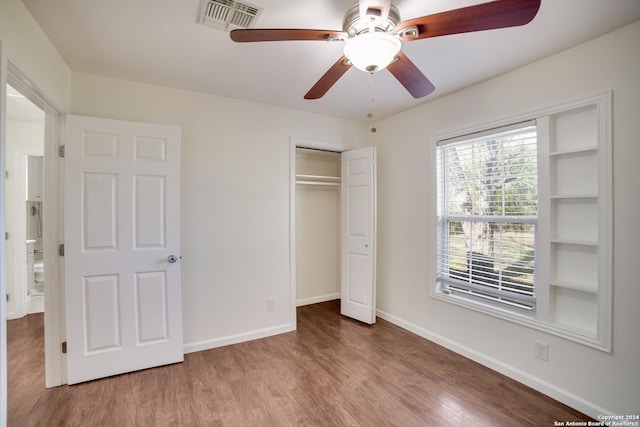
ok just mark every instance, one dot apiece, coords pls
pixel 294 143
pixel 3 284
pixel 54 331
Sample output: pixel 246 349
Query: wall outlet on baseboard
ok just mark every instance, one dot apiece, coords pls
pixel 541 350
pixel 271 304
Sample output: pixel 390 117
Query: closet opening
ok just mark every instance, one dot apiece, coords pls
pixel 317 219
pixel 333 228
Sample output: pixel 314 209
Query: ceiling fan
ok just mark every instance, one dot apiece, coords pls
pixel 373 32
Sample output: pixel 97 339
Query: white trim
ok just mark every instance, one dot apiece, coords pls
pixel 292 234
pixel 543 231
pixel 3 284
pixel 29 89
pixel 238 338
pixel 559 394
pixel 318 299
pixel 605 237
pixel 318 145
pixel 499 130
pixel 54 309
pixel 514 317
pixel 54 312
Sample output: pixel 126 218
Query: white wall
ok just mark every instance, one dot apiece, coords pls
pixel 26 138
pixel 235 198
pixel 29 49
pixel 317 244
pixel 588 379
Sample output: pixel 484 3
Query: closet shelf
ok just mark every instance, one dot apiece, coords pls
pixel 321 178
pixel 325 183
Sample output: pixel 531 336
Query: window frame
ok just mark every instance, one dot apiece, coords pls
pixel 449 283
pixel 542 318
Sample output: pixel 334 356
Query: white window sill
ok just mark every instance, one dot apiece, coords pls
pixel 521 317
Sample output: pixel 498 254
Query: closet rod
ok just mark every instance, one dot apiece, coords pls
pixel 325 150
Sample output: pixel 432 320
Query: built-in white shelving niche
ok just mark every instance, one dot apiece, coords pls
pixel 578 199
pixel 574 224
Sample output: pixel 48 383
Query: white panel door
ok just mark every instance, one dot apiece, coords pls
pixel 358 228
pixel 122 243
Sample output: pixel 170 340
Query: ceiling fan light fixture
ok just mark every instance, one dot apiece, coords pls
pixel 372 51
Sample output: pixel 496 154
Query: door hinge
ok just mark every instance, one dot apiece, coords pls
pixel 61 151
pixel 61 250
pixel 6 235
pixel 64 347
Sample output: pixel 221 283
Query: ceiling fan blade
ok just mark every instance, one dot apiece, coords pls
pixel 277 34
pixel 328 79
pixel 410 76
pixel 485 16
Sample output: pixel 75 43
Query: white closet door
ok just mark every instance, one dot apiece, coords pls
pixel 358 240
pixel 122 243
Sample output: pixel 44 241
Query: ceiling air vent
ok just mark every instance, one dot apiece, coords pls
pixel 228 14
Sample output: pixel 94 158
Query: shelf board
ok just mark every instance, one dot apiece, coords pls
pixel 589 289
pixel 575 242
pixel 319 183
pixel 322 178
pixel 574 196
pixel 573 151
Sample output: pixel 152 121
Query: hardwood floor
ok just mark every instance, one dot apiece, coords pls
pixel 331 372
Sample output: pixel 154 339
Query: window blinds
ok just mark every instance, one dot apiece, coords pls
pixel 487 214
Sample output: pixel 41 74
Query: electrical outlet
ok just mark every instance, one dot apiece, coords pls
pixel 271 304
pixel 541 350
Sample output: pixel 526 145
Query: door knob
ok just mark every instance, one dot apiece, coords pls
pixel 172 258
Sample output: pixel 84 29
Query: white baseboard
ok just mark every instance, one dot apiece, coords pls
pixel 315 300
pixel 13 315
pixel 543 387
pixel 238 338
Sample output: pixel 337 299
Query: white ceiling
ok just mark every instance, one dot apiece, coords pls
pixel 160 42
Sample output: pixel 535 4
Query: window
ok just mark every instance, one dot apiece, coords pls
pixel 524 220
pixel 487 215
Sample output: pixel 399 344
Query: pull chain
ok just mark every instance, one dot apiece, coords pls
pixel 370 115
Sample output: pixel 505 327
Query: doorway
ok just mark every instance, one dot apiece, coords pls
pixel 24 150
pixel 50 216
pixel 317 226
pixel 337 230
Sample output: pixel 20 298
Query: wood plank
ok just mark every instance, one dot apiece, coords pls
pixel 332 371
